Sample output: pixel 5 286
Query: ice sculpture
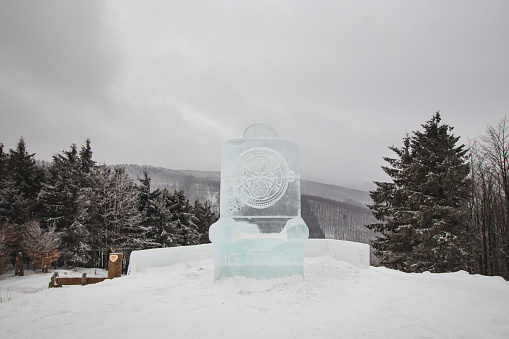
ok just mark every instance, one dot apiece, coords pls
pixel 260 233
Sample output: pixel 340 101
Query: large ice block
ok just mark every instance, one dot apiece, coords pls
pixel 260 232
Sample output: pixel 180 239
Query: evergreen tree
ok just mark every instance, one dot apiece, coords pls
pixel 21 183
pixel 116 205
pixel 85 156
pixel 423 213
pixel 3 161
pixel 165 228
pixel 204 218
pixel 182 220
pixel 59 194
pixel 4 206
pixel 66 198
pixel 150 207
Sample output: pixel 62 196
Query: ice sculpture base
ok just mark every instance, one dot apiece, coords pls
pixel 248 261
pixel 354 253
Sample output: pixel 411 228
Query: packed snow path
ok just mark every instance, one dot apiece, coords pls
pixel 334 300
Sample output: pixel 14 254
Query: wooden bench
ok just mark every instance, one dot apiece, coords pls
pixel 114 271
pixel 57 281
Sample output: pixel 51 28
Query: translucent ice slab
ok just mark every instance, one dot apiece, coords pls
pixel 260 232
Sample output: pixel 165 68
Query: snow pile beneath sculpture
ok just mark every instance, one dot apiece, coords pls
pixel 260 233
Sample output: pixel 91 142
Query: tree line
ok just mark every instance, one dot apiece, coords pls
pixel 447 206
pixel 77 212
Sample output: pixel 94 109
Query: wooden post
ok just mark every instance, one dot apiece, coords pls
pixel 84 279
pixel 19 265
pixel 53 281
pixel 46 263
pixel 115 265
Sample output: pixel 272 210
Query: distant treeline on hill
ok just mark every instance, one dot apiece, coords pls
pixel 323 216
pixel 331 212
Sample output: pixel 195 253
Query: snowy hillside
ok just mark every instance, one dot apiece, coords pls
pixel 334 300
pixel 344 208
pixel 205 185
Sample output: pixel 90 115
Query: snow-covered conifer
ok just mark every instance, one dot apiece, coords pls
pixel 150 207
pixel 20 185
pixel 423 212
pixel 182 220
pixel 204 218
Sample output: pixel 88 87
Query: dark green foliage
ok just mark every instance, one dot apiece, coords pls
pixel 423 212
pixel 152 213
pixel 59 195
pixel 115 202
pixel 68 183
pixel 204 218
pixel 4 206
pixel 164 230
pixel 182 220
pixel 85 158
pixel 20 183
pixel 89 210
pixel 170 218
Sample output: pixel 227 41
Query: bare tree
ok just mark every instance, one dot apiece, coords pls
pixel 490 199
pixel 38 243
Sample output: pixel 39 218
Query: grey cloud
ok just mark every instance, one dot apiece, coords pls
pixel 61 44
pixel 167 82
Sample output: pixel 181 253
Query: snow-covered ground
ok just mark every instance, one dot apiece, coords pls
pixel 334 300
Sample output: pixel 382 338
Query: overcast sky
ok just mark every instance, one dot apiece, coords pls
pixel 166 83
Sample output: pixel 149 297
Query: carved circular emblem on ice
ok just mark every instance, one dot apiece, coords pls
pixel 260 177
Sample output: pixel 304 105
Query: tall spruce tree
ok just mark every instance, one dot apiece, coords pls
pixel 423 214
pixel 66 198
pixel 115 203
pixel 150 208
pixel 204 218
pixel 182 220
pixel 59 194
pixel 87 164
pixel 165 229
pixel 4 206
pixel 20 185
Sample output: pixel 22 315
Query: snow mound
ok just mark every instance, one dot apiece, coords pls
pixel 354 253
pixel 335 299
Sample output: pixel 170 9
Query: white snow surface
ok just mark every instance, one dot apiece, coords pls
pixel 334 300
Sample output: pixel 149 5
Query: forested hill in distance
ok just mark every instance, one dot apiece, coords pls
pixel 331 212
pixel 205 185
